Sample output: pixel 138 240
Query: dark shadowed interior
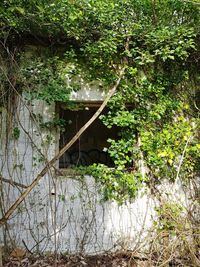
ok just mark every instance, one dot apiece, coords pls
pixel 91 146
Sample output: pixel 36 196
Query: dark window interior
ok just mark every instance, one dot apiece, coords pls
pixel 89 148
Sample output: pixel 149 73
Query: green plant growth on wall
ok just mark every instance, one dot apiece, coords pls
pixel 156 105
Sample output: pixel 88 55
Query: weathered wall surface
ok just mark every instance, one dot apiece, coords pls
pixel 62 213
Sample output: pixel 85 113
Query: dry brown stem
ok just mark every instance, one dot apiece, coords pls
pixel 13 183
pixel 50 164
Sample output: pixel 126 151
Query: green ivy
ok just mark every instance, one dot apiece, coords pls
pixel 44 78
pixel 115 184
pixel 155 108
pixel 16 133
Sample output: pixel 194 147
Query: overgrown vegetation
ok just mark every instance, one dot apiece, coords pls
pixel 156 107
pixel 158 43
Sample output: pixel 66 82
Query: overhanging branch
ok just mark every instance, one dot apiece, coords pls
pixel 61 152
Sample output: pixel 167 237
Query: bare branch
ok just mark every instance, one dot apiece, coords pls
pixel 13 183
pixel 61 152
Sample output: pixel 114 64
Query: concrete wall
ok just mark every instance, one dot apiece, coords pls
pixel 64 213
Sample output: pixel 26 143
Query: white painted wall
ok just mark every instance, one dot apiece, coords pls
pixel 63 213
pixel 88 92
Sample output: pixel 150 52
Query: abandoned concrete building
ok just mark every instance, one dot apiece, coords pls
pixel 66 212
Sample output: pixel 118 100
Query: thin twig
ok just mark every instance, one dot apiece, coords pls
pixel 61 152
pixel 181 161
pixel 13 183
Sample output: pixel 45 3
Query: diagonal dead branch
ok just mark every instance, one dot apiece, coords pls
pixel 13 183
pixel 61 152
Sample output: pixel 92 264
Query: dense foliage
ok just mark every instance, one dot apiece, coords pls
pixel 156 106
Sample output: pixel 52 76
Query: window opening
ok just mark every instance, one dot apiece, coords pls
pixel 90 147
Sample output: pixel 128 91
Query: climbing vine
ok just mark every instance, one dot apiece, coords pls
pixel 156 106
